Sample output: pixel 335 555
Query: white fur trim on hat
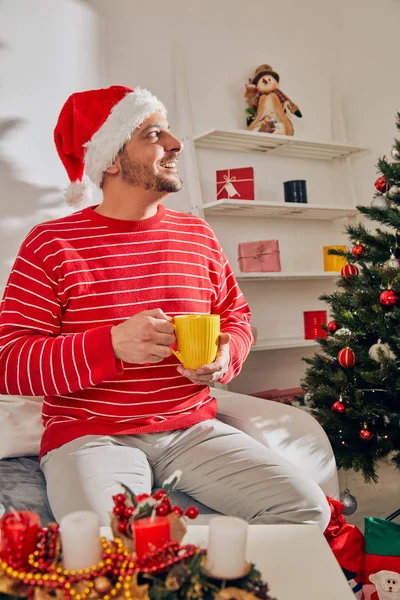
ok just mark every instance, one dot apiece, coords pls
pixel 122 121
pixel 77 192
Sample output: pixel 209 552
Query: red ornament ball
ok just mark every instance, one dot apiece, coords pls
pixel 192 512
pixel 338 407
pixel 388 298
pixel 349 271
pixel 332 326
pixel 381 185
pixel 347 358
pixel 358 250
pixel 366 434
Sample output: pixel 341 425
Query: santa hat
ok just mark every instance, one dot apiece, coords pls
pixel 92 128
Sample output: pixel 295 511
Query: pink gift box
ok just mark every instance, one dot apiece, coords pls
pixel 259 257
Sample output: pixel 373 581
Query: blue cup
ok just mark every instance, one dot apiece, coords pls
pixel 296 191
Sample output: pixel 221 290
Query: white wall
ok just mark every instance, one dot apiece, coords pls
pixel 48 50
pixel 327 53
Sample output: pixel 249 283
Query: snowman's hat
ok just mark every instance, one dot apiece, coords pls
pixel 264 70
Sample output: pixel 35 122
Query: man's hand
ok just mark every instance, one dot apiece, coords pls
pixel 214 371
pixel 144 338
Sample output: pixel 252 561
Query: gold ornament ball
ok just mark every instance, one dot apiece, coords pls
pixel 102 585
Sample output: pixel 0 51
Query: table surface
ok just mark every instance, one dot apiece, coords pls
pixel 295 561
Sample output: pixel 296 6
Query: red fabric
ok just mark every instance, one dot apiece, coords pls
pixel 346 541
pixel 81 116
pixel 239 180
pixel 75 278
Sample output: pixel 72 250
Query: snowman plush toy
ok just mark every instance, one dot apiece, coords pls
pixel 269 108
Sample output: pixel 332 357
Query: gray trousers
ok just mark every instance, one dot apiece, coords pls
pixel 221 466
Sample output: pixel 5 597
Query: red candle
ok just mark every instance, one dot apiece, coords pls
pixel 151 534
pixel 18 536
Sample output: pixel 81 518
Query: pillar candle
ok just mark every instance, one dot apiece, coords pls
pixel 151 534
pixel 226 552
pixel 80 540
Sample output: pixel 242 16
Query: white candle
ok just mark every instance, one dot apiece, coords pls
pixel 80 540
pixel 226 553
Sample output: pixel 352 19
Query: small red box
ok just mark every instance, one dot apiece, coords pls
pixel 259 257
pixel 235 184
pixel 313 319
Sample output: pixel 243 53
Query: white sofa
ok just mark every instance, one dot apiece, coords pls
pixel 290 432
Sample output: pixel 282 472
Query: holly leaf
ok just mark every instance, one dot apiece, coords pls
pixel 130 493
pixel 170 483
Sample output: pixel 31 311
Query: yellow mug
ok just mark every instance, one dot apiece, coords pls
pixel 197 339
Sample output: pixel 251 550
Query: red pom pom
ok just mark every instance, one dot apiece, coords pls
pixel 141 497
pixel 166 502
pixel 381 185
pixel 388 298
pixel 338 407
pixel 119 499
pixel 128 512
pixel 159 494
pixel 123 526
pixel 192 512
pixel 119 510
pixel 347 358
pixel 358 250
pixel 177 510
pixel 162 510
pixel 349 271
pixel 332 326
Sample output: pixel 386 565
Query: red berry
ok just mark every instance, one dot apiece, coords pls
pixel 119 499
pixel 162 510
pixel 122 526
pixel 141 497
pixel 192 512
pixel 160 494
pixel 118 510
pixel 177 510
pixel 128 512
pixel 166 502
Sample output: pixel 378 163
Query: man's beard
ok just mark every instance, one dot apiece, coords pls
pixel 140 175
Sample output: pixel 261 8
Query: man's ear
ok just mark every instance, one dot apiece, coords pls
pixel 114 168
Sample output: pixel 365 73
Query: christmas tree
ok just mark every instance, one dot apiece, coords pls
pixel 353 382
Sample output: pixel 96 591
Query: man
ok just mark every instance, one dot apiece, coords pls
pixel 86 322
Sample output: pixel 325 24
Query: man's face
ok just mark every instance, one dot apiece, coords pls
pixel 149 158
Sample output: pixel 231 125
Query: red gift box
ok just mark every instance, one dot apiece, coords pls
pixel 235 184
pixel 313 319
pixel 259 257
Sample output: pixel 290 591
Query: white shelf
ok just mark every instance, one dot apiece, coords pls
pixel 242 140
pixel 252 208
pixel 286 276
pixel 282 343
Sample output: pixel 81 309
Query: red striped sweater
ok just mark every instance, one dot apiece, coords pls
pixel 75 278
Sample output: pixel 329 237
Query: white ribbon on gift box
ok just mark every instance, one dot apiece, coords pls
pixel 229 187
